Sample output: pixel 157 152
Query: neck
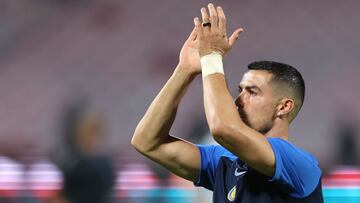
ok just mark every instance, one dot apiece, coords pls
pixel 280 129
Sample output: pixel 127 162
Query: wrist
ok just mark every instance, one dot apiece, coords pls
pixel 211 63
pixel 185 73
pixel 187 70
pixel 210 51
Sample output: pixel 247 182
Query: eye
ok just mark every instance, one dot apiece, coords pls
pixel 252 92
pixel 240 89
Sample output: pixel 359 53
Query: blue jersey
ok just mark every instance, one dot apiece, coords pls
pixel 297 176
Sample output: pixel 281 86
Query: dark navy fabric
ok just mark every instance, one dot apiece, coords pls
pixel 297 176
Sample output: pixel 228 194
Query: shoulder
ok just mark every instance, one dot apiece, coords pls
pixel 281 144
pixel 295 167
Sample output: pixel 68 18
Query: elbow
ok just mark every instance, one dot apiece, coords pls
pixel 136 140
pixel 141 141
pixel 225 131
pixel 218 129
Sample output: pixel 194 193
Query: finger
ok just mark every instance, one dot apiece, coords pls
pixel 205 17
pixel 235 35
pixel 198 29
pixel 192 35
pixel 213 16
pixel 222 19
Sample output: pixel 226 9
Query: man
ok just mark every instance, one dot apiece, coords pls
pixel 89 176
pixel 254 162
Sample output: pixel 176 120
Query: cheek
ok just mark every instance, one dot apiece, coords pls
pixel 256 103
pixel 261 108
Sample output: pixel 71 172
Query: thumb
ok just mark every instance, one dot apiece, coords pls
pixel 235 35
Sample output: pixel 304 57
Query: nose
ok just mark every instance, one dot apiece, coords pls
pixel 239 101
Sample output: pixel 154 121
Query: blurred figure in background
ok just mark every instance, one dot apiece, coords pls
pixel 89 176
pixel 346 139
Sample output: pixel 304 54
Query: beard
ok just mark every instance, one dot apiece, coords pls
pixel 244 117
pixel 263 129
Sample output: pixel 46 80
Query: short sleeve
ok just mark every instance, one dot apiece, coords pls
pixel 210 156
pixel 295 168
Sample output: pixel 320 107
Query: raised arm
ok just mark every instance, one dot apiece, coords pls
pixel 151 137
pixel 222 116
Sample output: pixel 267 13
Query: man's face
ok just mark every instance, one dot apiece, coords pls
pixel 89 132
pixel 256 101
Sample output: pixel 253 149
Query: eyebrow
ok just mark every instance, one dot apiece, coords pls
pixel 251 87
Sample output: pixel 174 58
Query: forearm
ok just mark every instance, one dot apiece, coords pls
pixel 221 112
pixel 154 127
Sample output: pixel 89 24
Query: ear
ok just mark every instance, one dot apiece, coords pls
pixel 285 107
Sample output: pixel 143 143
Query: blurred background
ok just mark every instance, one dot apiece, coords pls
pixel 77 75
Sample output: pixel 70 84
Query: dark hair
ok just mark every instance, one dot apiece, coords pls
pixel 284 74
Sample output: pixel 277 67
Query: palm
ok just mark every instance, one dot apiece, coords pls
pixel 189 55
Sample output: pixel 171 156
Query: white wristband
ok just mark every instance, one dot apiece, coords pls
pixel 211 63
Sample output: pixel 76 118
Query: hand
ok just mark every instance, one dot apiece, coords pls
pixel 189 55
pixel 211 33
